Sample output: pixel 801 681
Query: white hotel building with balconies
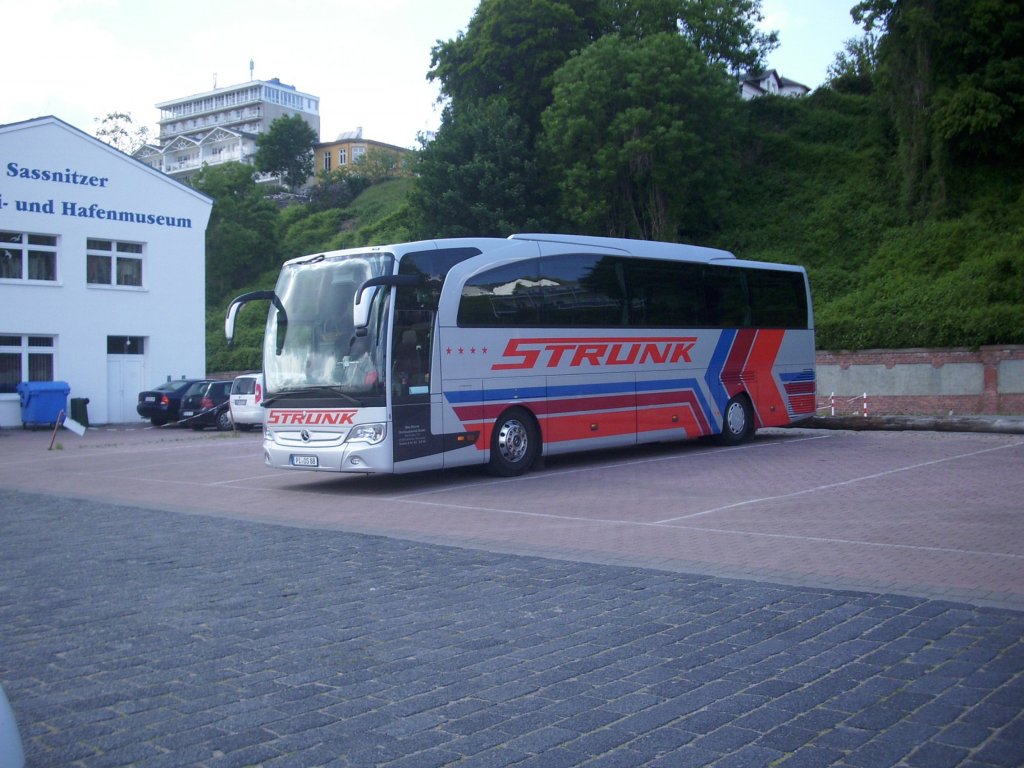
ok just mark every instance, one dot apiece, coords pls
pixel 222 125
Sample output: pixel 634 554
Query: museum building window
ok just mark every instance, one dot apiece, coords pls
pixel 25 358
pixel 28 256
pixel 111 262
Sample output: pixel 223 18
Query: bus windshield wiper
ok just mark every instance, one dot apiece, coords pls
pixel 288 393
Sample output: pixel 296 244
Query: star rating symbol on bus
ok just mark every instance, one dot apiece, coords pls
pixel 462 350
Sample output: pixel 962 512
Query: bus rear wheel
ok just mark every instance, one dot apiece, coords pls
pixel 737 421
pixel 515 443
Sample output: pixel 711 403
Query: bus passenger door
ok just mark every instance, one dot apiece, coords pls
pixel 417 445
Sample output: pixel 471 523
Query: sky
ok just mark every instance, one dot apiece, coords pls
pixel 81 60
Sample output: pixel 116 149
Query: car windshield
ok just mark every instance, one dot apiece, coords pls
pixel 321 349
pixel 197 388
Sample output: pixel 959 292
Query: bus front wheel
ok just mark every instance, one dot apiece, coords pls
pixel 514 443
pixel 737 421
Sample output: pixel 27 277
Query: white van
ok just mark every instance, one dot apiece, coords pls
pixel 246 401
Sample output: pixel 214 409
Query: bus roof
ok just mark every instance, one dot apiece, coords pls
pixel 638 248
pixel 649 248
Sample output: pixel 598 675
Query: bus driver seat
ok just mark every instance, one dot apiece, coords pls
pixel 407 363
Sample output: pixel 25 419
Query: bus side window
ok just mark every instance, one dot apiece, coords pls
pixel 725 292
pixel 581 289
pixel 665 294
pixel 779 298
pixel 509 295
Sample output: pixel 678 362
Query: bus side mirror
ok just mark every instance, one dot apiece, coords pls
pixel 362 302
pixel 240 301
pixel 229 323
pixel 361 309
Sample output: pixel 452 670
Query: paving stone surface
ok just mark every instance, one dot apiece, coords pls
pixel 140 637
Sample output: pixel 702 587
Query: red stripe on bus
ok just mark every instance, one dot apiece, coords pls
pixel 572 405
pixel 661 419
pixel 769 401
pixel 736 363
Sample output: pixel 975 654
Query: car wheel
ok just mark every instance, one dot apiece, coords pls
pixel 224 422
pixel 737 421
pixel 515 443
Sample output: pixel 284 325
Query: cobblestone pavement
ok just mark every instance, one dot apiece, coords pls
pixel 142 637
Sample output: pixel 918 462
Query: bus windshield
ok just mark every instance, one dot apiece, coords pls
pixel 322 352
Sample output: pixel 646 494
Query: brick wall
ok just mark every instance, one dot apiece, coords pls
pixel 932 382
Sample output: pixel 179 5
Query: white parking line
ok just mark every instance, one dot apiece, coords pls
pixel 539 476
pixel 829 486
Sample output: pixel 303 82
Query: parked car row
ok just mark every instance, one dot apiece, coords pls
pixel 201 403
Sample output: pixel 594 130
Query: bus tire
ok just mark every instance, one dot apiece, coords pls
pixel 737 421
pixel 515 443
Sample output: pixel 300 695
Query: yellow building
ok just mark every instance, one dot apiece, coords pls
pixel 350 148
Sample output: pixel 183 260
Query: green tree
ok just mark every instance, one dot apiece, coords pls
pixel 336 189
pixel 380 164
pixel 512 48
pixel 725 31
pixel 853 69
pixel 639 136
pixel 952 76
pixel 478 177
pixel 119 131
pixel 286 149
pixel 240 238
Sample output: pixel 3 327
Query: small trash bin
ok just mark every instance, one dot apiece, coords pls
pixel 42 402
pixel 80 410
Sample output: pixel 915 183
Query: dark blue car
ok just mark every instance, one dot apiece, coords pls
pixel 162 404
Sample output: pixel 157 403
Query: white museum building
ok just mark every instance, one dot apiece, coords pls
pixel 102 271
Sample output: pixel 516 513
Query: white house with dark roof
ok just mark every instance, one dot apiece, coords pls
pixel 770 83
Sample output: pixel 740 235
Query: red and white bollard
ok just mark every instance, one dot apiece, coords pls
pixel 865 405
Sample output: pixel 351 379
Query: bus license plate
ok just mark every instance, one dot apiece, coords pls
pixel 305 461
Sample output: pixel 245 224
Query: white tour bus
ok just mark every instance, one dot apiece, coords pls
pixel 493 351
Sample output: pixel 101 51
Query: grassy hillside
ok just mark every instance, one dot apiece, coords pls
pixel 819 190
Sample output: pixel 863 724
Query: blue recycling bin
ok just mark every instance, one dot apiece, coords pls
pixel 42 402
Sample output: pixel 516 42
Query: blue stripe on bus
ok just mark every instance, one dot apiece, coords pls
pixel 805 375
pixel 714 375
pixel 534 393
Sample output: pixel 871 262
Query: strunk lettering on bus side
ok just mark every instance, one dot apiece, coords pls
pixel 552 353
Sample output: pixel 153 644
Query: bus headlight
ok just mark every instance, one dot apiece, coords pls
pixel 366 433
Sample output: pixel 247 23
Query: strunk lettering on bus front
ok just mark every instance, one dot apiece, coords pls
pixel 310 418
